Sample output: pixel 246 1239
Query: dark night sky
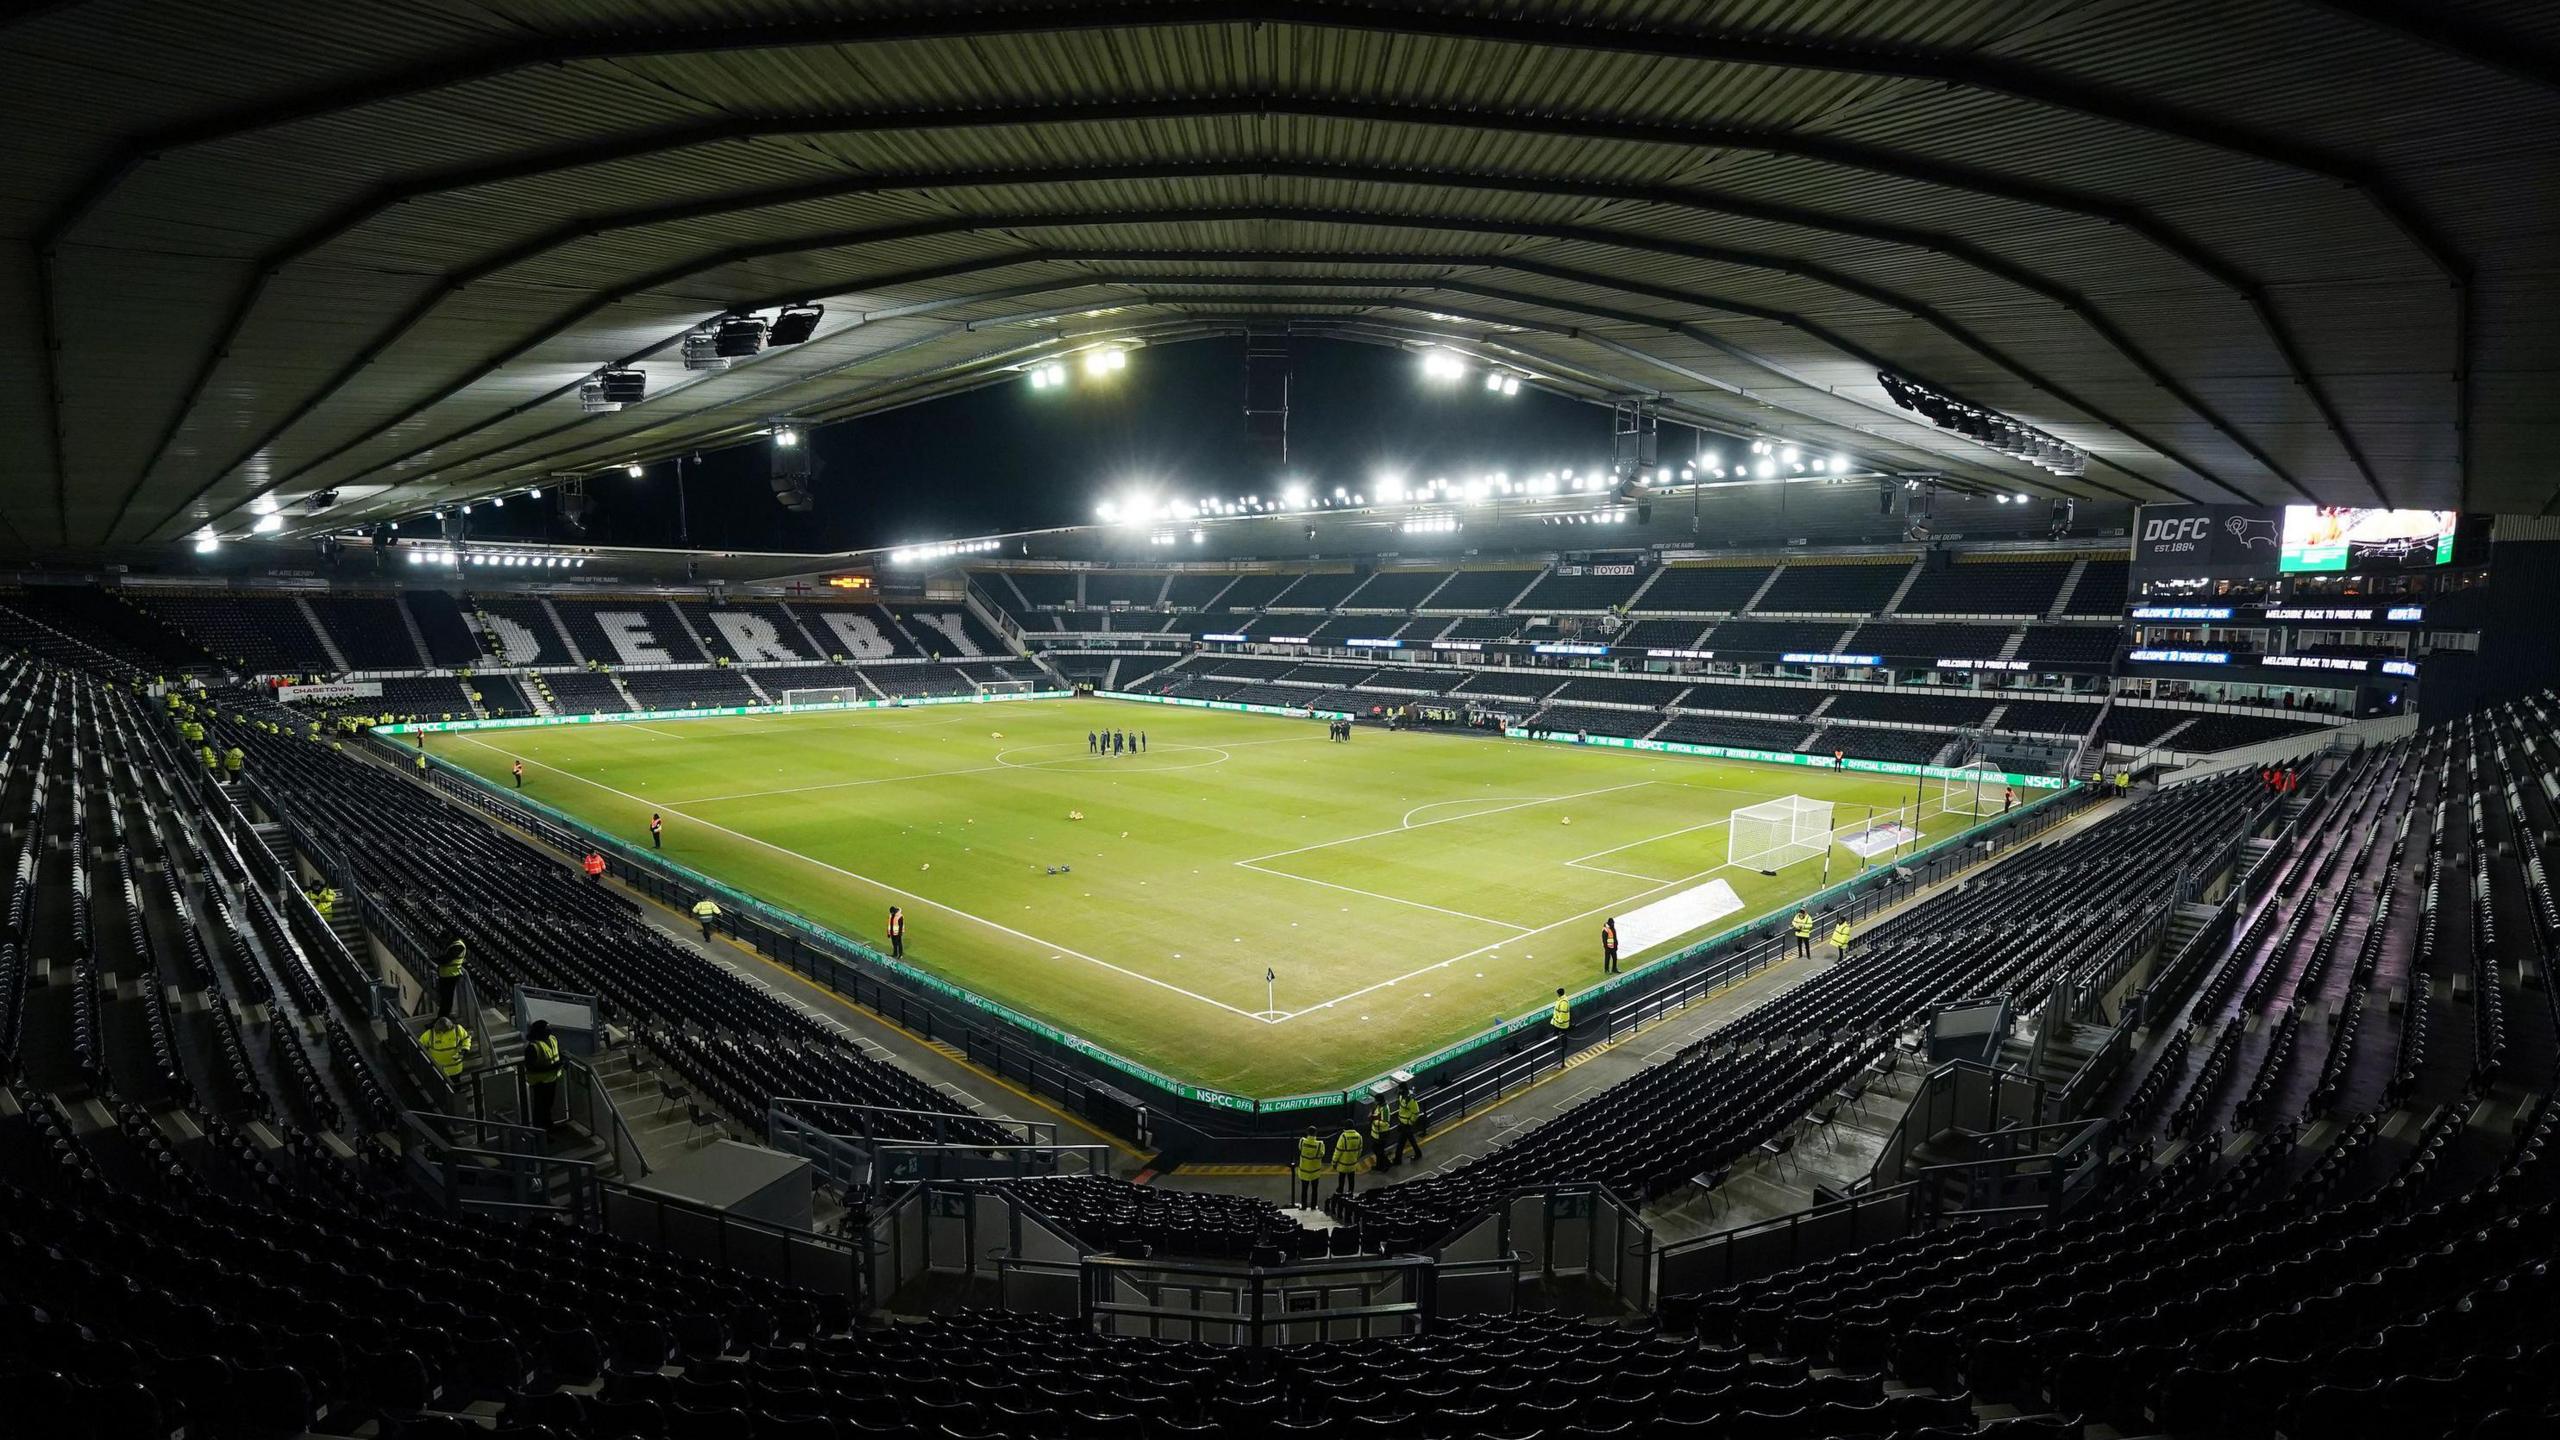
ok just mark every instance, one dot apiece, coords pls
pixel 1010 457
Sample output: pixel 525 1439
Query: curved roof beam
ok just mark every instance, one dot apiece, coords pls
pixel 1937 242
pixel 2027 83
pixel 902 390
pixel 2441 27
pixel 1010 259
pixel 2031 84
pixel 691 266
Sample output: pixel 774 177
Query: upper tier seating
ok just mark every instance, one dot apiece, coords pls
pixel 1396 590
pixel 370 631
pixel 1479 627
pixel 1662 635
pixel 950 632
pixel 1703 589
pixel 749 632
pixel 1251 592
pixel 263 633
pixel 1044 587
pixel 1317 590
pixel 1122 587
pixel 1912 705
pixel 452 636
pixel 110 622
pixel 1195 592
pixel 1832 589
pixel 1557 591
pixel 1768 639
pixel 2078 647
pixel 2102 589
pixel 857 633
pixel 1920 641
pixel 516 630
pixel 1481 589
pixel 1986 587
pixel 633 632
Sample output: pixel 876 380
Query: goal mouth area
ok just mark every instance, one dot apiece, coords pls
pixel 1775 834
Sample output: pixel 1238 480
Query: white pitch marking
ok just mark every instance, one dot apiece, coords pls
pixel 907 895
pixel 1551 925
pixel 1427 824
pixel 1391 899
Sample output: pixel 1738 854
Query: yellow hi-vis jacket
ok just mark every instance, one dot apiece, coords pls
pixel 449 966
pixel 1310 1157
pixel 1381 1124
pixel 1408 1111
pixel 1346 1152
pixel 446 1046
pixel 542 1061
pixel 1562 1016
pixel 1840 935
pixel 1803 924
pixel 705 910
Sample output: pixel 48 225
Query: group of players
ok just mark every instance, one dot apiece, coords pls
pixel 1337 730
pixel 1115 742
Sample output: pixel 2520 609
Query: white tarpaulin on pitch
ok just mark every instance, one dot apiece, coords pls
pixel 1675 915
pixel 1882 840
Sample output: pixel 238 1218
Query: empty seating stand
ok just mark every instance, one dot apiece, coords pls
pixel 370 632
pixel 1986 586
pixel 1702 589
pixel 1832 589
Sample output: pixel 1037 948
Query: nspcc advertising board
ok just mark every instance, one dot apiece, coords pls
pixel 2207 542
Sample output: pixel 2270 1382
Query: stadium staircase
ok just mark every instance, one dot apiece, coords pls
pixel 1910 577
pixel 328 645
pixel 560 629
pixel 623 690
pixel 2070 586
pixel 684 625
pixel 1752 604
pixel 417 636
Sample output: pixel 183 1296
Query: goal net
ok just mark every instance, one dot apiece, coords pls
pixel 1777 833
pixel 831 695
pixel 1006 687
pixel 1977 788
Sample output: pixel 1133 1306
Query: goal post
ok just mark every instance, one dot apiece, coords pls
pixel 1976 788
pixel 1775 834
pixel 1007 687
pixel 827 695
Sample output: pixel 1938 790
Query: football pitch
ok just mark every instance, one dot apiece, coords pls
pixel 1405 890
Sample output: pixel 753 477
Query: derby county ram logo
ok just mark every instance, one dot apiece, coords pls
pixel 2252 532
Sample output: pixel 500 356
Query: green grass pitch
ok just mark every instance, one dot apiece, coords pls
pixel 1408 889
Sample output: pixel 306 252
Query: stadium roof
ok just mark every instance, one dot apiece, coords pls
pixel 2234 252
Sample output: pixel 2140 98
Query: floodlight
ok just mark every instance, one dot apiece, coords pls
pixel 793 324
pixel 635 470
pixel 268 524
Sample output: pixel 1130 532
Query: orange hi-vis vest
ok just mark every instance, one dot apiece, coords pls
pixel 898 924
